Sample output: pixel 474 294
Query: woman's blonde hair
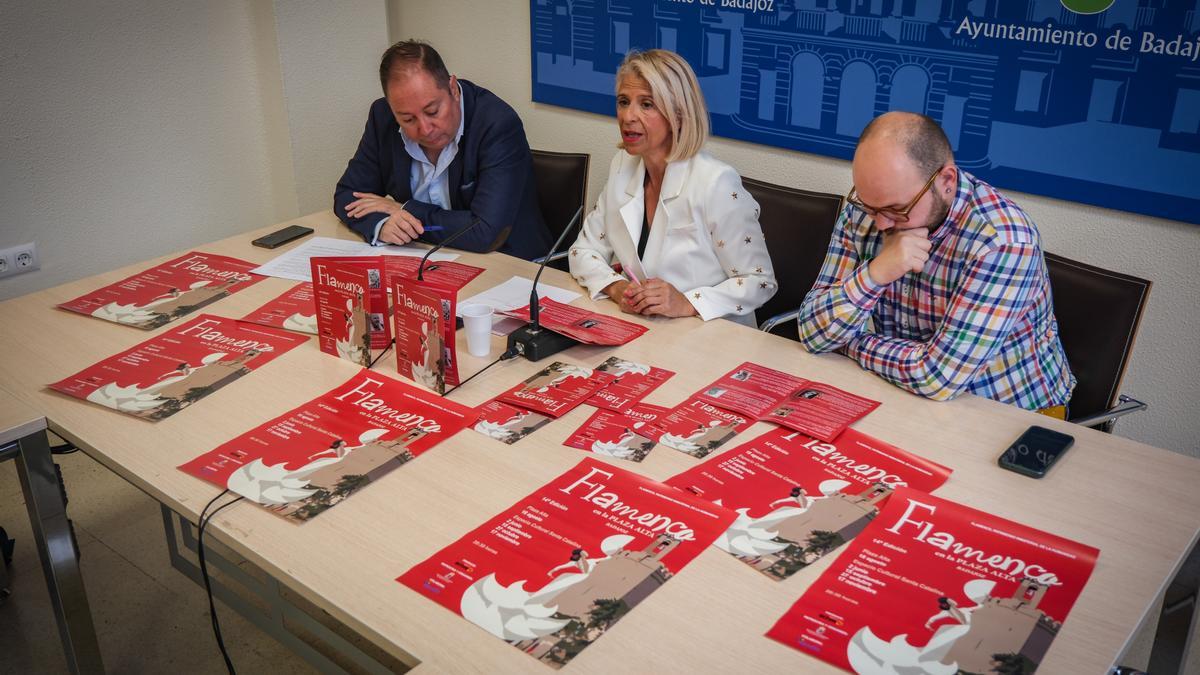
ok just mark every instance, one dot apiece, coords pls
pixel 676 94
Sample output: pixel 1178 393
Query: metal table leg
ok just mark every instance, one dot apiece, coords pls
pixel 52 533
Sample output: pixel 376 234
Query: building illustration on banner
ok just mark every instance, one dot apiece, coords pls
pixel 1089 100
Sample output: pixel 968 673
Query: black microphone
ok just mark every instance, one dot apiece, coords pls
pixel 530 340
pixel 475 221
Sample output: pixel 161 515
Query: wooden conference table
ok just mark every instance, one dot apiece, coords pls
pixel 1137 504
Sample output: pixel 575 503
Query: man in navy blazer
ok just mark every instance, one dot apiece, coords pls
pixel 439 155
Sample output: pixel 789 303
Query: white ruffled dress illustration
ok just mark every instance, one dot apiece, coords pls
pixel 276 485
pixel 133 398
pixel 558 373
pixel 352 348
pixel 620 367
pixel 425 370
pixel 620 447
pixel 135 314
pixel 749 536
pixel 514 614
pixel 301 323
pixel 869 655
pixel 502 430
pixel 686 443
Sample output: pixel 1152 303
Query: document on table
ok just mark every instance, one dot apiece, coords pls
pixel 294 264
pixel 512 294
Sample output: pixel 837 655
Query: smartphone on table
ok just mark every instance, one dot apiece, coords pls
pixel 1035 451
pixel 281 237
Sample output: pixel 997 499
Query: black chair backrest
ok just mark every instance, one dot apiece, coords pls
pixel 561 179
pixel 797 225
pixel 1098 314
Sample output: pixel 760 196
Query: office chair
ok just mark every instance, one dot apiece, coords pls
pixel 1098 314
pixel 561 179
pixel 797 225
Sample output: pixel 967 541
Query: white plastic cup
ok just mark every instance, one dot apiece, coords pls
pixel 477 320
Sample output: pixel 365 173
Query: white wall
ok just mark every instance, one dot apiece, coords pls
pixel 132 129
pixel 488 43
pixel 329 55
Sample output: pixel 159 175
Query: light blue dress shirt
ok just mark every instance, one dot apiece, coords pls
pixel 430 183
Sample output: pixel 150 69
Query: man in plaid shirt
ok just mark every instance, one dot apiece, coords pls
pixel 934 280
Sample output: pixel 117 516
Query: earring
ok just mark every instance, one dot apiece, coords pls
pixel 947 190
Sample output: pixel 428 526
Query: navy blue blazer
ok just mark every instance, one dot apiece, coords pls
pixel 491 179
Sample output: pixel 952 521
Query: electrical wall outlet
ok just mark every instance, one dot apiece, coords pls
pixel 18 259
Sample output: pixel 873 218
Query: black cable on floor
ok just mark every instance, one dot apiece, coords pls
pixel 63 449
pixel 205 518
pixel 503 357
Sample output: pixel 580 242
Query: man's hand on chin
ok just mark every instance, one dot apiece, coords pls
pixel 903 251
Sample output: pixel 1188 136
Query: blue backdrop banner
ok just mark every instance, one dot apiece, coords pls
pixel 1095 101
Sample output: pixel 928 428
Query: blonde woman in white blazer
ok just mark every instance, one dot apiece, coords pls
pixel 703 252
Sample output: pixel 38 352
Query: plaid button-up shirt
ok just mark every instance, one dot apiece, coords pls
pixel 979 317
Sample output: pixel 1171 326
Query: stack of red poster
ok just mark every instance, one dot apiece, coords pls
pixel 556 389
pixel 507 423
pixel 579 324
pixel 550 393
pixel 449 275
pixel 350 312
pixel 168 291
pixel 769 395
pixel 633 382
pixel 932 586
pixel 624 434
pixel 315 456
pixel 426 346
pixel 169 372
pixel 293 310
pixel 798 498
pixel 698 428
pixel 554 571
pixel 350 322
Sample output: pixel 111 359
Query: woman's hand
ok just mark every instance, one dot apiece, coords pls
pixel 617 290
pixel 655 296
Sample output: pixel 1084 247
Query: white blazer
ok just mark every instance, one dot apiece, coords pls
pixel 705 239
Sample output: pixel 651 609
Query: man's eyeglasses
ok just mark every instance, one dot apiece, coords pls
pixel 896 215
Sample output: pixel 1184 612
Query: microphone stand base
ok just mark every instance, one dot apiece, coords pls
pixel 536 345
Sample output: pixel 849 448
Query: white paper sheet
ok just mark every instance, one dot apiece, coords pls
pixel 512 294
pixel 295 263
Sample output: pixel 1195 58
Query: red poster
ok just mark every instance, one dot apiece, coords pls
pixel 634 381
pixel 449 275
pixel 932 586
pixel 313 457
pixel 426 349
pixel 774 396
pixel 622 434
pixel 344 310
pixel 167 292
pixel 293 310
pixel 579 324
pixel 820 410
pixel 555 570
pixel 798 498
pixel 377 293
pixel 506 423
pixel 697 428
pixel 556 389
pixel 169 372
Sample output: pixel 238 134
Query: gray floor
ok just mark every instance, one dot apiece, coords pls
pixel 149 617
